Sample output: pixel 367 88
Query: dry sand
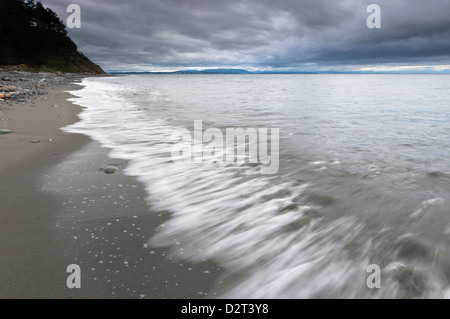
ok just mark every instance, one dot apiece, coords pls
pixel 57 208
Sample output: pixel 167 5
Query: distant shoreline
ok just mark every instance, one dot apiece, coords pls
pixel 275 73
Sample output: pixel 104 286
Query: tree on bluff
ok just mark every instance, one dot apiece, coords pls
pixel 32 34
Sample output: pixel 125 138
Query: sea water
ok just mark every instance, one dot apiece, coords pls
pixel 363 178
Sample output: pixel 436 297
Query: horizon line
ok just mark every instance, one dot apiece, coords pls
pixel 244 72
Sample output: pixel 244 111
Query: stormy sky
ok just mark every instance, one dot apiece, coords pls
pixel 308 35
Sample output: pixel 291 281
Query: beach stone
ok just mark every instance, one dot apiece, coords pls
pixel 35 141
pixel 5 131
pixel 5 95
pixel 8 88
pixel 110 169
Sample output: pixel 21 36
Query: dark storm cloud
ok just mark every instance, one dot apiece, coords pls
pixel 163 34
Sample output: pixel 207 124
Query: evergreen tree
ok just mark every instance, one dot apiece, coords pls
pixel 34 35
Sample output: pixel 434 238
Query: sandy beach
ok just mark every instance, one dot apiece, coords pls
pixel 58 208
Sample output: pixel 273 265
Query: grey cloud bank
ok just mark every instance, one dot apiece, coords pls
pixel 308 35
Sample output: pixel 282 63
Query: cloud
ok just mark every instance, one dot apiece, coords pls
pixel 302 34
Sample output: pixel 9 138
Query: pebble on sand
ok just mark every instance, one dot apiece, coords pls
pixel 110 169
pixel 5 131
pixel 35 141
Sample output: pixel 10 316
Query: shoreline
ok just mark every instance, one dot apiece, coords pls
pixel 59 209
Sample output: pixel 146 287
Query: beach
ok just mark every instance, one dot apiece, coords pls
pixel 87 179
pixel 59 208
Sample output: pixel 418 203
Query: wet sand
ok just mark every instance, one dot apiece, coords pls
pixel 58 208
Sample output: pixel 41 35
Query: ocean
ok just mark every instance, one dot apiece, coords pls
pixel 362 177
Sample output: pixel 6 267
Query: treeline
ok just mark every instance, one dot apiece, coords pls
pixel 33 35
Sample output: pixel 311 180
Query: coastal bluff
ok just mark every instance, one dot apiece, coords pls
pixel 35 38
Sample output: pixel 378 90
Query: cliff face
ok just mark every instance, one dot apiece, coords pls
pixel 33 35
pixel 79 63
